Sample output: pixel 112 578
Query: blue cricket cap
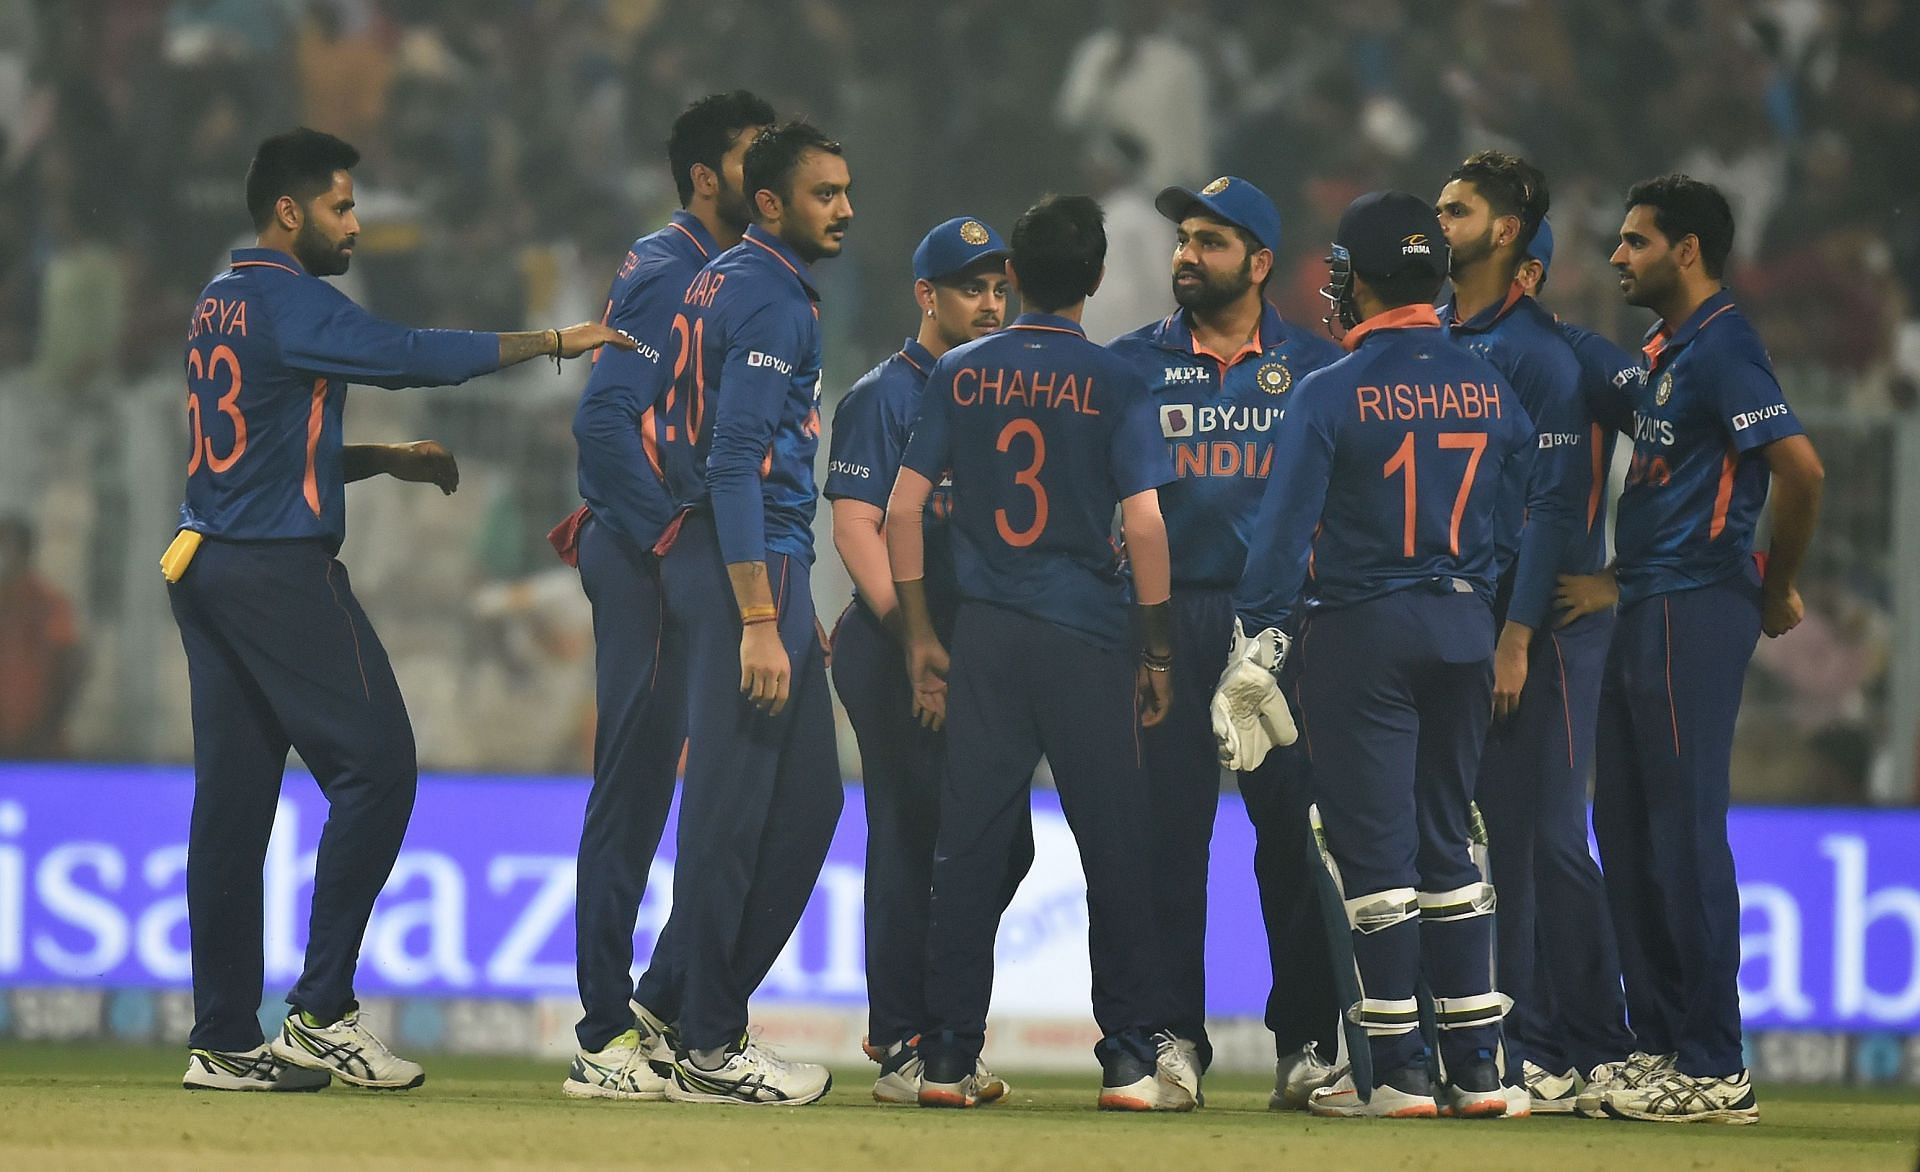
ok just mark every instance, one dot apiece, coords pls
pixel 1542 247
pixel 956 245
pixel 1228 198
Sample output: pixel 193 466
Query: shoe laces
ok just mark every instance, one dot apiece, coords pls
pixel 363 1037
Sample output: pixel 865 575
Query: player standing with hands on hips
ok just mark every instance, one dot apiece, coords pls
pixel 1219 371
pixel 1045 434
pixel 739 430
pixel 1710 429
pixel 960 283
pixel 279 653
pixel 1391 472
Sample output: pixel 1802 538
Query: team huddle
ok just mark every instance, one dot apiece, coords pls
pixel 1370 577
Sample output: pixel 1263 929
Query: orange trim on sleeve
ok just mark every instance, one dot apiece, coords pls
pixel 1723 498
pixel 316 422
pixel 650 443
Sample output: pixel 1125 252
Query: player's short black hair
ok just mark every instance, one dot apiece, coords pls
pixel 1409 286
pixel 776 154
pixel 1685 206
pixel 1511 186
pixel 705 131
pixel 1059 245
pixel 299 163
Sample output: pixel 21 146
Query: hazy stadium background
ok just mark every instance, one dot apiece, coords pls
pixel 512 148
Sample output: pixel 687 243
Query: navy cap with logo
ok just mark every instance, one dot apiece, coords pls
pixel 1229 198
pixel 1386 233
pixel 955 245
pixel 1542 248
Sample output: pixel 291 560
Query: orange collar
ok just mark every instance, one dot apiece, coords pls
pixel 1407 317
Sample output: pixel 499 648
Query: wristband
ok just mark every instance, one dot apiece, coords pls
pixel 754 622
pixel 761 613
pixel 556 350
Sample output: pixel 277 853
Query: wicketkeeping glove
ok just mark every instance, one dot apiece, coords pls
pixel 1250 714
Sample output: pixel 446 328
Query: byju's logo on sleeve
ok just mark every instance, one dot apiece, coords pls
pixel 1746 419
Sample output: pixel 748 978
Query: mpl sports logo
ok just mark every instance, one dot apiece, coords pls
pixel 761 358
pixel 1178 375
pixel 1746 419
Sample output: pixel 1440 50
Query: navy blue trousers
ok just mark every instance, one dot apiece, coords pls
pixel 1568 1007
pixel 280 655
pixel 760 802
pixel 1020 688
pixel 903 767
pixel 1183 768
pixel 640 689
pixel 1394 698
pixel 1664 754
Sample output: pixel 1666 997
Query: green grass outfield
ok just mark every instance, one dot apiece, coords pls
pixel 96 1107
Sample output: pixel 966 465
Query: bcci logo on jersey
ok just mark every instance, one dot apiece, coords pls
pixel 1664 391
pixel 1274 378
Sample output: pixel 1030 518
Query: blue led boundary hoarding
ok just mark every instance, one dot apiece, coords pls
pixel 92 895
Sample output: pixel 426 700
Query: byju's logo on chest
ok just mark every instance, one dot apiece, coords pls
pixel 1176 420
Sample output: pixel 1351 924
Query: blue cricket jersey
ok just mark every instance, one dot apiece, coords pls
pixel 1392 470
pixel 1605 369
pixel 1218 415
pixel 741 422
pixel 615 427
pixel 1698 479
pixel 871 427
pixel 1045 433
pixel 1524 343
pixel 270 351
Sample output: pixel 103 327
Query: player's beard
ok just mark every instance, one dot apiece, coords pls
pixel 318 253
pixel 1653 284
pixel 1468 253
pixel 1212 293
pixel 731 206
pixel 820 245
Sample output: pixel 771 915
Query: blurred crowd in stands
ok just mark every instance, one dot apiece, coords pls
pixel 511 148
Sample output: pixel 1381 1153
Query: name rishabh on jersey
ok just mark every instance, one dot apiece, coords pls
pixel 270 351
pixel 1045 433
pixel 1218 415
pixel 1697 480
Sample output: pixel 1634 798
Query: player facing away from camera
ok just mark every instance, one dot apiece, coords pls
pixel 640 673
pixel 1044 434
pixel 1710 428
pixel 1546 685
pixel 1392 471
pixel 279 653
pixel 1219 371
pixel 738 431
pixel 960 283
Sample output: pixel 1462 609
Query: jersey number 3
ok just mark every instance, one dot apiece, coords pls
pixel 1474 443
pixel 1027 478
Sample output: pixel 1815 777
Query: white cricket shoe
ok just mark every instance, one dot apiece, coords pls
pixel 1129 1083
pixel 619 1070
pixel 1549 1093
pixel 248 1070
pixel 1340 1099
pixel 1178 1060
pixel 900 1071
pixel 347 1050
pixel 659 1039
pixel 1519 1103
pixel 753 1076
pixel 1297 1076
pixel 1630 1071
pixel 1674 1097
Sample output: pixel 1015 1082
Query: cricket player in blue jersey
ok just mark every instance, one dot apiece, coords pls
pixel 960 283
pixel 1546 690
pixel 1044 434
pixel 1219 371
pixel 1710 428
pixel 640 673
pixel 738 431
pixel 279 653
pixel 1392 472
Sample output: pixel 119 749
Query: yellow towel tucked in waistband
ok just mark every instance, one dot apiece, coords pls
pixel 179 554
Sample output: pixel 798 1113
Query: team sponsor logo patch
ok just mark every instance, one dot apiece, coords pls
pixel 973 232
pixel 1416 244
pixel 1746 419
pixel 1274 378
pixel 1187 374
pixel 1176 419
pixel 1664 390
pixel 1216 187
pixel 762 358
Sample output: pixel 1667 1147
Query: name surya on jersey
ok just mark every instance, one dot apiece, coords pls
pixel 1000 386
pixel 1402 401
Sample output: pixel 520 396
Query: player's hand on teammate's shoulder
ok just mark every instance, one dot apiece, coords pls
pixel 591 335
pixel 425 462
pixel 1580 595
pixel 927 665
pixel 1780 611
